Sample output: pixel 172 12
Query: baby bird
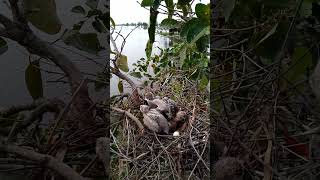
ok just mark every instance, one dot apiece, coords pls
pixel 173 108
pixel 180 118
pixel 154 120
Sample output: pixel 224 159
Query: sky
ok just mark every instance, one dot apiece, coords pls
pixel 127 11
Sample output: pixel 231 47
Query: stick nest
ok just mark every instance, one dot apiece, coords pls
pixel 147 155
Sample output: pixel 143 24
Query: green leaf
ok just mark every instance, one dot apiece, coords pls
pixel 122 63
pixel 187 26
pixel 98 26
pixel 146 3
pixel 94 12
pixel 136 74
pixel 43 15
pixel 170 8
pixel 203 12
pixel 301 64
pixel 112 22
pixel 93 4
pixel 203 82
pixel 83 41
pixel 156 70
pixel 3 46
pixel 194 29
pixel 306 8
pixel 169 23
pixel 197 32
pixel 203 43
pixel 33 80
pixel 79 10
pixel 227 8
pixel 270 33
pixel 120 86
pixel 148 49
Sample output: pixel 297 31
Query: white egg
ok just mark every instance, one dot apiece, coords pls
pixel 176 133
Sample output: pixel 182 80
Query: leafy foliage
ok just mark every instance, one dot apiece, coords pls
pixel 189 50
pixel 33 80
pixel 122 63
pixel 37 9
pixel 169 23
pixel 83 41
pixel 79 9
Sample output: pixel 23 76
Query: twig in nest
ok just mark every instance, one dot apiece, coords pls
pixel 63 112
pixel 135 119
pixel 46 160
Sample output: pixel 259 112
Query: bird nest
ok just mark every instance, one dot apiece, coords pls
pixel 147 155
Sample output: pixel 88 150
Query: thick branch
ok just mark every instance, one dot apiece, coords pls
pixel 22 34
pixel 118 73
pixel 115 70
pixel 135 119
pixel 15 109
pixel 45 160
pixel 54 105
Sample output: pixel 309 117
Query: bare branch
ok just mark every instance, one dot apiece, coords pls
pixel 127 113
pixel 118 73
pixel 46 160
pixel 115 70
pixel 15 109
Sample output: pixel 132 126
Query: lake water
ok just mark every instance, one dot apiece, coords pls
pixel 14 62
pixel 135 49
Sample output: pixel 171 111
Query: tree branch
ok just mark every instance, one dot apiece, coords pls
pixel 46 160
pixel 118 73
pixel 131 116
pixel 22 34
pixel 115 70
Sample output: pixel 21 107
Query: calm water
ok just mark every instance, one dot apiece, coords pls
pixel 13 63
pixel 134 50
